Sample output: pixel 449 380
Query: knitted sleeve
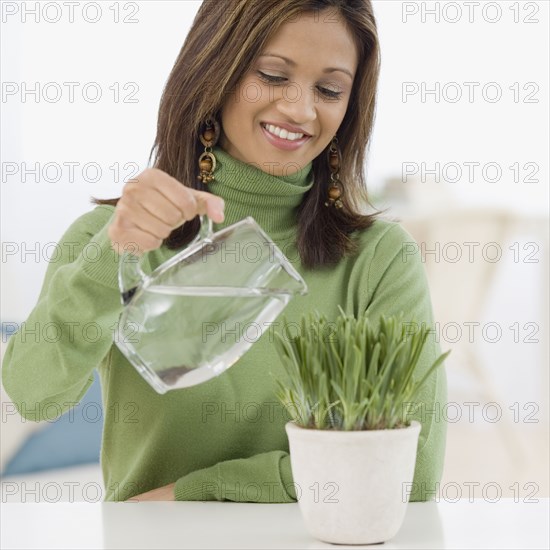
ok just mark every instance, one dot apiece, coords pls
pixel 265 478
pixel 49 362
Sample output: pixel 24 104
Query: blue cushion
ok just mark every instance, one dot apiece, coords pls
pixel 74 438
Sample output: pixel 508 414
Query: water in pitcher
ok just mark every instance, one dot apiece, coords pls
pixel 177 332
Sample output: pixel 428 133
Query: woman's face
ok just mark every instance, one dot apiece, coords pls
pixel 303 93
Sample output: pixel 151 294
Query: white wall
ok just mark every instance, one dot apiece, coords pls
pixel 105 132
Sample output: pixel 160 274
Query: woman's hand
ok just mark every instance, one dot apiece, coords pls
pixel 152 205
pixel 162 493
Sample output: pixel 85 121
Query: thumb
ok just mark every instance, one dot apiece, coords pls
pixel 211 205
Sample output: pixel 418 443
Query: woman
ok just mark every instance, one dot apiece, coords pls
pixel 268 112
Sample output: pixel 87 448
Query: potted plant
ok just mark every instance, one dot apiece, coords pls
pixel 351 446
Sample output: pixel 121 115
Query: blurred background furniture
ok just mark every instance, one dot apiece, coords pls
pixel 474 289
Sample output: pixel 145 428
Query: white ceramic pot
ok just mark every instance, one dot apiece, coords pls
pixel 350 485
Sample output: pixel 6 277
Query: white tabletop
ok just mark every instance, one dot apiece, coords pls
pixel 462 524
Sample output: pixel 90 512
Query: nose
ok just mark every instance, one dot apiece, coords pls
pixel 297 103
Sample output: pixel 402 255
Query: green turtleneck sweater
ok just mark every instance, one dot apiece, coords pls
pixel 223 439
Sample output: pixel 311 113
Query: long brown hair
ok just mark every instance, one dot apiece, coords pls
pixel 224 40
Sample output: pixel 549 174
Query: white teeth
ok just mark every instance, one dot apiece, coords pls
pixel 282 133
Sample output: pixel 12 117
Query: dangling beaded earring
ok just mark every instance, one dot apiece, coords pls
pixel 207 161
pixel 334 161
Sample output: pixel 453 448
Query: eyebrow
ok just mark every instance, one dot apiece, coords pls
pixel 293 64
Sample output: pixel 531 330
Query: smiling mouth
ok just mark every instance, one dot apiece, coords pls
pixel 282 133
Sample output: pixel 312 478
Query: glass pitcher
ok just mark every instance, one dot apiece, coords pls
pixel 196 314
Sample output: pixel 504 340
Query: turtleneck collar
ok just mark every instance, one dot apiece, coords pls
pixel 249 191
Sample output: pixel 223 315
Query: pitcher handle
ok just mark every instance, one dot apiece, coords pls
pixel 130 274
pixel 206 231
